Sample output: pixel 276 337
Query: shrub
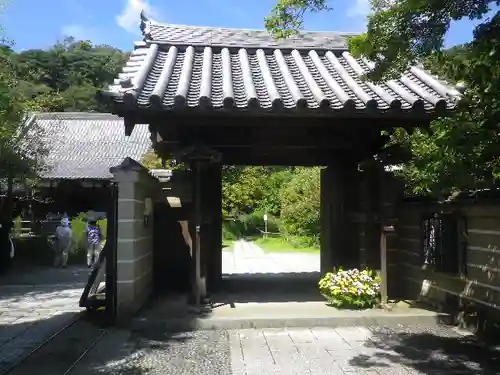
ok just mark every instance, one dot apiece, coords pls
pixel 300 204
pixel 248 225
pixel 253 223
pixel 232 230
pixel 304 241
pixel 350 288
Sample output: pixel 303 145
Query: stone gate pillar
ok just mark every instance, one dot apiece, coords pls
pixel 135 236
pixel 339 235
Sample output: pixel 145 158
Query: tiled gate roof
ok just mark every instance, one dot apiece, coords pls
pixel 230 69
pixel 86 145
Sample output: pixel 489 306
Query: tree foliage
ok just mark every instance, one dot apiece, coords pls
pixel 300 203
pixel 399 32
pixel 460 152
pixel 67 76
pixel 20 145
pixel 246 189
pixel 151 160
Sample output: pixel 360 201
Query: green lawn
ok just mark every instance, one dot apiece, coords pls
pixel 280 245
pixel 272 245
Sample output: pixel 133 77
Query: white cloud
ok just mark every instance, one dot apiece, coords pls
pixel 359 8
pixel 129 17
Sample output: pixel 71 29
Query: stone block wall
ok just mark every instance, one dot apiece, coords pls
pixel 135 238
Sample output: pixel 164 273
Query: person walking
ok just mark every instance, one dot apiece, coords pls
pixel 93 242
pixel 62 243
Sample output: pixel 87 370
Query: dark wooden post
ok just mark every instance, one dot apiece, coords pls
pixel 214 226
pixel 372 191
pixel 196 168
pixel 339 182
pixel 211 235
pixel 326 261
pixel 384 233
pixel 200 158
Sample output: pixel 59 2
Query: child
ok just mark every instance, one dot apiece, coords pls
pixel 93 242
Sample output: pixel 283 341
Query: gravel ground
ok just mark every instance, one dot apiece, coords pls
pixel 153 351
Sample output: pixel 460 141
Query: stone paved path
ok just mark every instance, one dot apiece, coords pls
pixel 346 350
pixel 34 305
pixel 249 258
pixel 414 350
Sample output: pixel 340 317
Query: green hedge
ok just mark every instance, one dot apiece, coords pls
pixel 248 225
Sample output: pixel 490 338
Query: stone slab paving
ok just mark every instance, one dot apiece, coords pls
pixel 33 306
pixel 409 350
pixel 358 350
pixel 248 258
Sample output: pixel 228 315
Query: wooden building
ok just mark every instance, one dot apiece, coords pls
pixel 214 96
pixel 82 148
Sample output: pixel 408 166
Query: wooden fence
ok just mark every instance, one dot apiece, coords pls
pixel 448 254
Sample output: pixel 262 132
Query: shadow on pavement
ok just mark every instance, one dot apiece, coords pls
pixel 161 338
pixel 38 275
pixel 21 337
pixel 36 302
pixel 427 351
pixel 284 287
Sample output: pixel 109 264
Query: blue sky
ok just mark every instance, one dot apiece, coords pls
pixel 38 24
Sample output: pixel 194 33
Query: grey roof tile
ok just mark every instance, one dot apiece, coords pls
pixel 222 69
pixel 212 36
pixel 86 145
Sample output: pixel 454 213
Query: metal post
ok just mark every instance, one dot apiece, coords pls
pixel 265 226
pixel 383 262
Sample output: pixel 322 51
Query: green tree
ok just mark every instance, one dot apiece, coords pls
pixel 151 160
pixel 21 144
pixel 458 153
pixel 399 33
pixel 71 70
pixel 300 204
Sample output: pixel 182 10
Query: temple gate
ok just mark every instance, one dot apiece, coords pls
pixel 214 97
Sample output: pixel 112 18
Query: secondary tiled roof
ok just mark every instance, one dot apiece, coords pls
pixel 86 145
pixel 185 67
pixel 226 37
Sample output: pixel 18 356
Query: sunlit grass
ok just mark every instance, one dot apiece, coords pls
pixel 272 245
pixel 281 245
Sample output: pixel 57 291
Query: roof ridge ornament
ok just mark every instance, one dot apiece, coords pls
pixel 145 25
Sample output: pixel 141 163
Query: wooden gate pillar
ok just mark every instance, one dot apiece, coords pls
pixel 200 158
pixel 211 235
pixel 372 208
pixel 339 237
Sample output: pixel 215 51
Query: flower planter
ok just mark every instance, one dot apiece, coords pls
pixel 351 289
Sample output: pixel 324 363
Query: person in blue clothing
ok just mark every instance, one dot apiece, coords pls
pixel 94 238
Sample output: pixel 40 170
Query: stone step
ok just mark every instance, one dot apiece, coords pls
pixel 237 315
